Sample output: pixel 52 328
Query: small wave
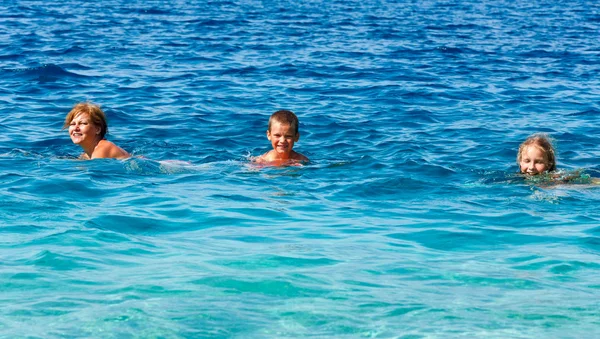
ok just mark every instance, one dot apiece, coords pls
pixel 540 53
pixel 72 49
pixel 59 262
pixel 21 153
pixel 575 177
pixel 143 166
pixel 45 73
pixel 216 22
pixel 74 65
pixel 132 224
pixel 10 57
pixel 592 113
pixel 563 178
pixel 456 50
pixel 154 11
pixel 240 71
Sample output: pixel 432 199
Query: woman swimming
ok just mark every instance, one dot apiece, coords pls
pixel 87 127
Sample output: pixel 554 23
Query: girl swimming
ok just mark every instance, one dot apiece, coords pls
pixel 536 155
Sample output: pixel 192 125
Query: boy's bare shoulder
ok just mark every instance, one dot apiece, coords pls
pixel 298 156
pixel 261 159
pixel 270 159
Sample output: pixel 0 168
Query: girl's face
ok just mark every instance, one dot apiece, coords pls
pixel 533 160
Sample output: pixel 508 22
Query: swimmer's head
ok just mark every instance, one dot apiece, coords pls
pixel 95 114
pixel 284 117
pixel 536 155
pixel 283 132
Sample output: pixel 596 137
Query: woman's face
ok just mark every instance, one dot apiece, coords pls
pixel 82 130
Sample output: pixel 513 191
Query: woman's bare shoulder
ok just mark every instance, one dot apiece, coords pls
pixel 107 149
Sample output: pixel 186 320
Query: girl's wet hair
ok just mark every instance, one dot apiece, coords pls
pixel 285 117
pixel 95 113
pixel 542 142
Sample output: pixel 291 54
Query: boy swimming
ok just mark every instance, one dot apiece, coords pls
pixel 283 133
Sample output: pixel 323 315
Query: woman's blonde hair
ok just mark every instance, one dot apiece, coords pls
pixel 96 115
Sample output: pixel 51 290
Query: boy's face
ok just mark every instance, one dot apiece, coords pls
pixel 533 160
pixel 282 137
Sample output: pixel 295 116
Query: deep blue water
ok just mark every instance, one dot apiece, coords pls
pixel 409 222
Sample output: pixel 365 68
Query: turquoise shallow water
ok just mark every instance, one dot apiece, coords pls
pixel 409 222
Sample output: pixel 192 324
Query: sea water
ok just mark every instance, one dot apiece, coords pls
pixel 408 222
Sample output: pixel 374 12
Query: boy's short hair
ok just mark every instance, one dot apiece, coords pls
pixel 95 113
pixel 544 143
pixel 284 116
